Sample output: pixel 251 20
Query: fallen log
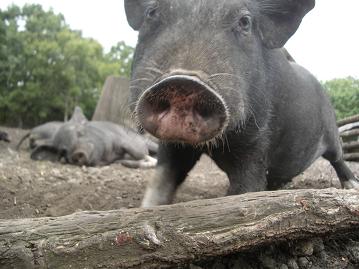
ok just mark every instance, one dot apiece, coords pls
pixel 345 121
pixel 353 157
pixel 350 133
pixel 172 235
pixel 351 145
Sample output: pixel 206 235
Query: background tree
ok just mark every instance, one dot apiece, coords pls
pixel 344 94
pixel 120 59
pixel 46 68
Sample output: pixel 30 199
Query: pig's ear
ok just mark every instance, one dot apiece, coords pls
pixel 135 13
pixel 78 116
pixel 280 19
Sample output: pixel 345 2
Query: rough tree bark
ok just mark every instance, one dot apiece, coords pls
pixel 353 157
pixel 350 133
pixel 113 104
pixel 345 121
pixel 351 146
pixel 176 234
pixel 348 129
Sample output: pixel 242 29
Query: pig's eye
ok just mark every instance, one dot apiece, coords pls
pixel 151 12
pixel 245 23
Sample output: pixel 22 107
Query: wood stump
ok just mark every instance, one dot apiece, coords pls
pixel 113 105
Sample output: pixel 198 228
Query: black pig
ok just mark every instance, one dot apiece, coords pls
pixel 91 143
pixel 212 77
pixel 41 134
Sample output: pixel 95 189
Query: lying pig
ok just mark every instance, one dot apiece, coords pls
pixel 212 77
pixel 41 134
pixel 82 142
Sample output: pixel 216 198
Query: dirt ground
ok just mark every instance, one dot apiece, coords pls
pixel 36 189
pixel 335 252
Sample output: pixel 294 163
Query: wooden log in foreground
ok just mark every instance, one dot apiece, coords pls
pixel 351 119
pixel 176 234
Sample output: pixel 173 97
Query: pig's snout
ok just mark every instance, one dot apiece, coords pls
pixel 182 108
pixel 80 158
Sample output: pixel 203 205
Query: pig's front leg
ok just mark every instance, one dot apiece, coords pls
pixel 250 179
pixel 174 163
pixel 245 173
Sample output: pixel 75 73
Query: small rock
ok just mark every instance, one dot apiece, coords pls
pixel 303 248
pixel 303 263
pixel 292 264
pixel 307 248
pixel 268 262
pixel 354 251
pixel 318 246
pixel 56 172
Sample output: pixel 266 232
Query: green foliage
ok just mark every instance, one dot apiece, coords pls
pixel 46 68
pixel 121 54
pixel 344 94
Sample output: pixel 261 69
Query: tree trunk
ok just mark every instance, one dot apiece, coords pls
pixel 177 234
pixel 113 104
pixel 66 112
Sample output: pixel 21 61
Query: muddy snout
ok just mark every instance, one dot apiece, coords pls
pixel 82 154
pixel 182 109
pixel 80 158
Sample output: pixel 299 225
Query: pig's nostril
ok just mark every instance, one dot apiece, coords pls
pixel 79 158
pixel 204 111
pixel 162 105
pixel 153 105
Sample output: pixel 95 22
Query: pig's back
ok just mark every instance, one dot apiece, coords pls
pixel 302 117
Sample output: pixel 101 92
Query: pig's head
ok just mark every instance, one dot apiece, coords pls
pixel 199 67
pixel 83 153
pixel 64 141
pixel 90 147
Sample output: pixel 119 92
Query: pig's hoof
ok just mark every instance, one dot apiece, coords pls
pixel 352 184
pixel 147 162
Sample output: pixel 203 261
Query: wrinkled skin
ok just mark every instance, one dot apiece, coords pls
pixel 41 134
pixel 81 142
pixel 211 77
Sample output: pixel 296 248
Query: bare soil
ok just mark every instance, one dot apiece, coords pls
pixel 40 188
pixel 334 252
pixel 36 189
